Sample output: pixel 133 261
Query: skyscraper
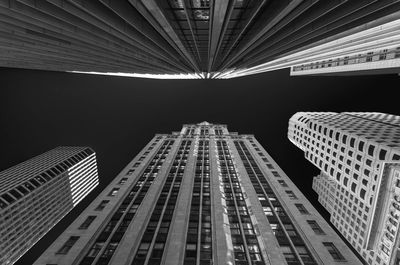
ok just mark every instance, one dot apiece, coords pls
pixel 37 193
pixel 359 185
pixel 190 38
pixel 371 48
pixel 203 195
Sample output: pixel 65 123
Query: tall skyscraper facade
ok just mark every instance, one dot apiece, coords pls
pixel 371 48
pixel 190 38
pixel 37 193
pixel 359 185
pixel 203 195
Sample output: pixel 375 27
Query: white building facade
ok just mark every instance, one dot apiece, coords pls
pixel 359 156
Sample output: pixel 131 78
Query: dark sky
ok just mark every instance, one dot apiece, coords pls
pixel 117 116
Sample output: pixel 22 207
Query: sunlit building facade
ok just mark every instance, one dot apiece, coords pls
pixel 36 194
pixel 203 195
pixel 181 38
pixel 359 158
pixel 372 48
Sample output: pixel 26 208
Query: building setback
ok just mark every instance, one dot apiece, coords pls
pixel 37 193
pixel 203 195
pixel 196 38
pixel 359 183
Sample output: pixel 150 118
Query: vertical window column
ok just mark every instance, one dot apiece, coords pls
pixel 199 235
pixel 292 245
pixel 152 243
pixel 107 241
pixel 245 244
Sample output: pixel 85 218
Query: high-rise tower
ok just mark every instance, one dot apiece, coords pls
pixel 359 184
pixel 36 194
pixel 192 38
pixel 200 196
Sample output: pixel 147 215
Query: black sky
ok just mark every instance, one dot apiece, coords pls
pixel 117 116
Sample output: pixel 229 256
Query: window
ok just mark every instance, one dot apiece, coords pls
pixel 361 146
pixel 191 250
pixel 371 150
pixel 267 211
pixel 352 141
pixel 382 154
pixel 101 205
pixel 289 254
pixel 87 222
pixel 362 193
pixel 275 174
pixel 305 255
pixel 301 208
pixel 315 227
pixel 337 136
pixel 113 192
pixel 282 182
pixel 123 181
pixel 68 245
pixel 16 194
pixel 130 172
pixel 291 195
pixel 8 198
pixel 353 187
pixel 336 255
pixel 3 205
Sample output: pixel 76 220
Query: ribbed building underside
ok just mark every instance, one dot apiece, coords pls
pixel 182 38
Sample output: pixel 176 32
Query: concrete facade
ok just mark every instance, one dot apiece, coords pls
pixel 203 195
pixel 358 154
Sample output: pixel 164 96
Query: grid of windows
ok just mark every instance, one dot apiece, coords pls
pixel 152 243
pixel 187 18
pixel 349 149
pixel 11 196
pixel 199 234
pixel 365 57
pixel 43 207
pixel 106 243
pixel 245 244
pixel 292 245
pixel 191 214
